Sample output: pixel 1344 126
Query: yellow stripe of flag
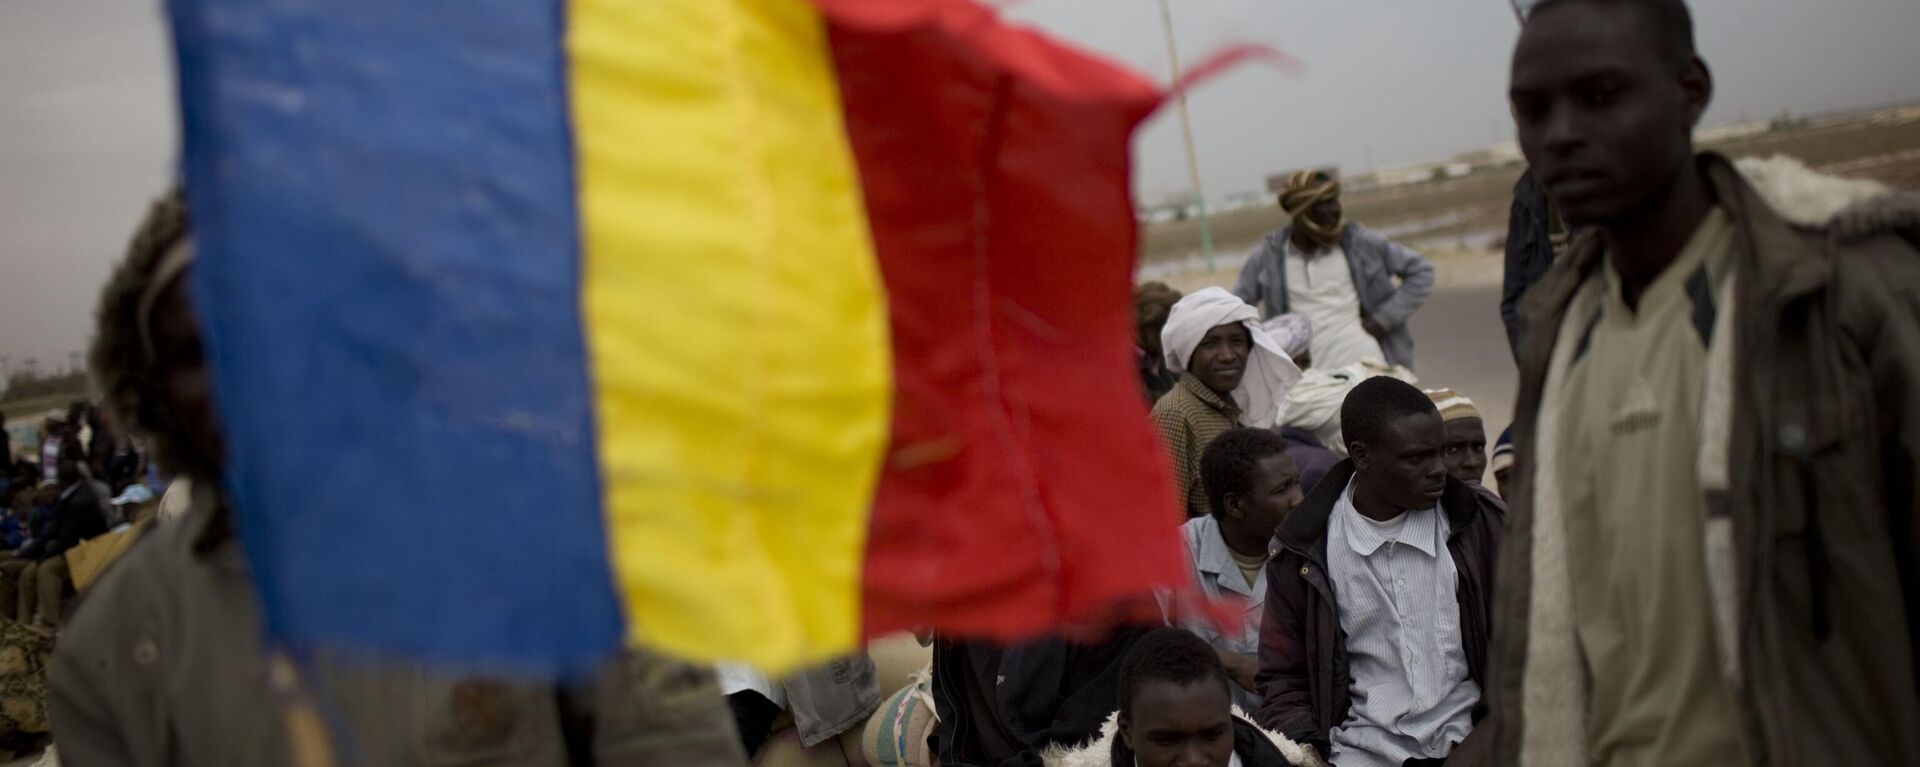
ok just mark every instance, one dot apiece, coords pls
pixel 735 322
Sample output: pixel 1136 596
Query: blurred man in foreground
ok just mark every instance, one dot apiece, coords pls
pixel 1712 556
pixel 163 663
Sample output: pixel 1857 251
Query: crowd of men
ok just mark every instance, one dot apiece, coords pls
pixel 1701 543
pixel 1700 547
pixel 83 478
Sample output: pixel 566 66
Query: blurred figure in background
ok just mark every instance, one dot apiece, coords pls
pixel 78 513
pixel 1535 237
pixel 1152 302
pixel 1503 462
pixel 1358 287
pixel 1466 449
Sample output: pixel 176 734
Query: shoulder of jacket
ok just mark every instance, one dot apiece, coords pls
pixel 1360 233
pixel 1891 214
pixel 1849 209
pixel 122 605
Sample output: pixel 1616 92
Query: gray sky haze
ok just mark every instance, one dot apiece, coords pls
pixel 87 132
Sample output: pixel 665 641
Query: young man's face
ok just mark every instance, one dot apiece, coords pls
pixel 1176 725
pixel 1405 468
pixel 1500 480
pixel 1221 358
pixel 1466 449
pixel 1604 115
pixel 1273 492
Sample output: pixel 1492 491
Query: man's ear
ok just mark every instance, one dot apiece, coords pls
pixel 1358 452
pixel 1232 503
pixel 1696 83
pixel 1126 732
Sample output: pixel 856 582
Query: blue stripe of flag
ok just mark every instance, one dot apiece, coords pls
pixel 384 208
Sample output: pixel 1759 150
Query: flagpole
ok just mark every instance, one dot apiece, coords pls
pixel 1186 133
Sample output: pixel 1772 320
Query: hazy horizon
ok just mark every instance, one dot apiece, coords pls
pixel 88 133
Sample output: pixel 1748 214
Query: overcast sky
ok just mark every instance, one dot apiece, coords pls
pixel 87 128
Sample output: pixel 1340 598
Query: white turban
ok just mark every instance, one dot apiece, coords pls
pixel 1270 372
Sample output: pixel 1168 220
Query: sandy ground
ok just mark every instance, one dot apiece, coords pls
pixel 1459 342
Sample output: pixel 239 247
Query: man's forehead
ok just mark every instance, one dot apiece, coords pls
pixel 1572 39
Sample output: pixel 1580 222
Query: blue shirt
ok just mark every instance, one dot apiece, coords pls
pixel 1218 574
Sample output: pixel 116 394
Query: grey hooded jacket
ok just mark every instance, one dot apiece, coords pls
pixel 1375 260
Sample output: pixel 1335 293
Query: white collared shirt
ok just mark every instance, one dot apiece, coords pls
pixel 1395 584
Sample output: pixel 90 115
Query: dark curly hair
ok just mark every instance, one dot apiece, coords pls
pixel 1168 655
pixel 1227 465
pixel 123 372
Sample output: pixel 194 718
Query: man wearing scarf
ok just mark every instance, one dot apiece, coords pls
pixel 1358 287
pixel 1231 374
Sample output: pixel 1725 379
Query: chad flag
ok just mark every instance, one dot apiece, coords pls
pixel 742 329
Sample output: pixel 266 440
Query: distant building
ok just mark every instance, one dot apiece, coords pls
pixel 1246 200
pixel 1177 206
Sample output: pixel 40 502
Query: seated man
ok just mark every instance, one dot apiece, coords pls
pixel 78 514
pixel 1466 450
pixel 1231 374
pixel 1374 643
pixel 1174 712
pixel 1251 486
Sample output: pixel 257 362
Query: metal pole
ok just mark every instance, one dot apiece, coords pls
pixel 1186 132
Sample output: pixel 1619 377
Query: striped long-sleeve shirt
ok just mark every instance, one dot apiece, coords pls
pixel 1395 582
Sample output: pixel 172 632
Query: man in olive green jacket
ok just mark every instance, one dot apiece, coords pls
pixel 1761 609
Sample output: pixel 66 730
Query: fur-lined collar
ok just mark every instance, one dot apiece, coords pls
pixel 1804 197
pixel 1098 752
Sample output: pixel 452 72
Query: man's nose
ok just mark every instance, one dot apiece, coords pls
pixel 1564 132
